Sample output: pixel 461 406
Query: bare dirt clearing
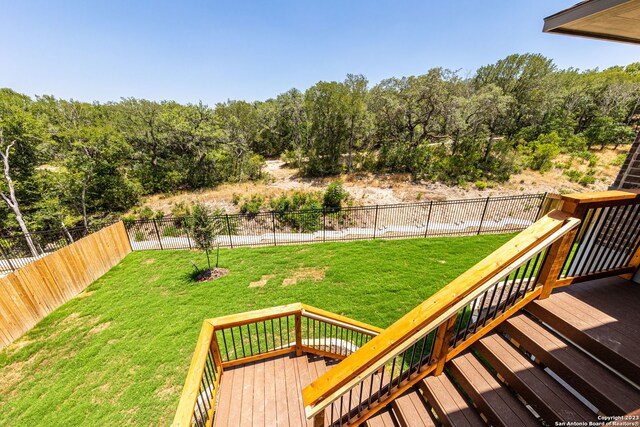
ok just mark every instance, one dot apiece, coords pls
pixel 372 189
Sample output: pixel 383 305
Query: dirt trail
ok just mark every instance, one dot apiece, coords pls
pixel 371 189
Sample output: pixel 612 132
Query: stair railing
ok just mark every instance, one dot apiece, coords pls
pixel 421 342
pixel 237 339
pixel 606 243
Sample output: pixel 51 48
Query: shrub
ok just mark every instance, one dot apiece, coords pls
pixel 290 157
pixel 587 180
pixel 139 236
pixel 619 160
pixel 180 210
pixel 310 219
pixel 253 205
pixel 573 175
pixel 158 215
pixel 146 213
pixel 171 231
pixel 480 185
pixel 334 196
pixel 235 199
pixel 128 220
pixel 543 151
pixel 254 167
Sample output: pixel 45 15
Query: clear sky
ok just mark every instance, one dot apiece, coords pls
pixel 216 50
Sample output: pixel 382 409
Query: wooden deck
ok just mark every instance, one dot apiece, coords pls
pixel 268 393
pixel 601 316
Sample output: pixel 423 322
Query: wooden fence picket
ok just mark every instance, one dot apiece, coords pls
pixel 35 290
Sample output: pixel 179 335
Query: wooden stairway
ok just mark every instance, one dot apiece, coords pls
pixel 546 364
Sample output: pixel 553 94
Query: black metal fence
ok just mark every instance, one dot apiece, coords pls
pixel 15 253
pixel 428 219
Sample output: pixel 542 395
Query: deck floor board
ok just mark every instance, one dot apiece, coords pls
pixel 267 393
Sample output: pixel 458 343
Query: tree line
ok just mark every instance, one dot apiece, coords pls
pixel 67 162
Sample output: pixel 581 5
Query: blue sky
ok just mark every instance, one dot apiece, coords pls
pixel 217 50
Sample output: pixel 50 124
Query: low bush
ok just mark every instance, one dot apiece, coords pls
pixel 253 205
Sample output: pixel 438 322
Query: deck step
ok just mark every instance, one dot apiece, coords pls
pixel 448 403
pixel 553 402
pixel 411 411
pixel 493 399
pixel 598 333
pixel 607 392
pixel 382 419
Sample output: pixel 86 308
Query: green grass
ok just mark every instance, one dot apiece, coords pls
pixel 119 354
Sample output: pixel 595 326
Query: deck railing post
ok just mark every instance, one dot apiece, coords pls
pixel 484 212
pixel 155 225
pixel 558 253
pixel 226 216
pixel 318 419
pixel 443 341
pixel 215 349
pixel 298 334
pixel 543 202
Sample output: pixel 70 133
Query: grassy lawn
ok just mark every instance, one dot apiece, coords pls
pixel 119 353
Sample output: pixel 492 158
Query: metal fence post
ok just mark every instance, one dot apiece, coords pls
pixel 426 227
pixel 4 254
pixel 324 225
pixel 186 227
pixel 375 223
pixel 484 211
pixel 127 229
pixel 155 225
pixel 229 230
pixel 273 220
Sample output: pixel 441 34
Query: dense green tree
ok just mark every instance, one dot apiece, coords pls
pixel 22 131
pixel 69 163
pixel 326 107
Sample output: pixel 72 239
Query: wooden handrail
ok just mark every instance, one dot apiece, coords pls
pixel 191 389
pixel 579 205
pixel 255 316
pixel 431 312
pixel 338 320
pixel 207 341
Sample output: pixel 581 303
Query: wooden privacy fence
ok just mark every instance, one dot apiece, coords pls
pixel 30 293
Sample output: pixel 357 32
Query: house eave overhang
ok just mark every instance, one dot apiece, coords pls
pixel 615 20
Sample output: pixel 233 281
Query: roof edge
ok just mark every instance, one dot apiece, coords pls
pixel 579 11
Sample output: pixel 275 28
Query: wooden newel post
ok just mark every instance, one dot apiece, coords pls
pixel 298 334
pixel 215 350
pixel 318 420
pixel 558 253
pixel 441 346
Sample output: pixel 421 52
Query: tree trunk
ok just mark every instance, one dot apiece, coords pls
pixel 66 231
pixel 83 200
pixel 487 152
pixel 351 137
pixel 12 201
